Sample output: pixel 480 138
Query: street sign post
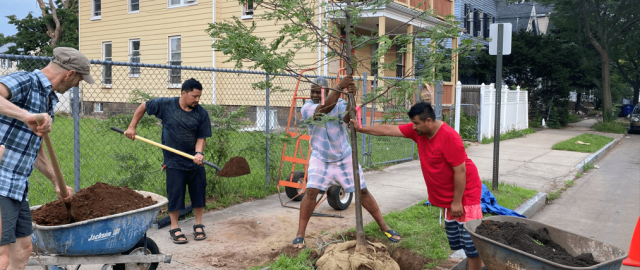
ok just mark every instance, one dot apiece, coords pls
pixel 500 34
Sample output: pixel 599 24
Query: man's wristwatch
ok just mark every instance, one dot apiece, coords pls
pixel 200 153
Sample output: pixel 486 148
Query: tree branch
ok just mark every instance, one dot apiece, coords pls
pixel 58 31
pixel 50 30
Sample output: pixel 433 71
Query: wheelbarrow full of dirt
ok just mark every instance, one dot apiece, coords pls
pixel 117 240
pixel 498 256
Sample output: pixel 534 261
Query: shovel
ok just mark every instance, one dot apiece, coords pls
pixel 237 166
pixel 56 168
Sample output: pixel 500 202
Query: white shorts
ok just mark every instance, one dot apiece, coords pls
pixel 324 174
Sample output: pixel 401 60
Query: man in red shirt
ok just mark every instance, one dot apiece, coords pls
pixel 452 179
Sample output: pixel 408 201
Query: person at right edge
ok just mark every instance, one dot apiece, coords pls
pixel 185 127
pixel 452 179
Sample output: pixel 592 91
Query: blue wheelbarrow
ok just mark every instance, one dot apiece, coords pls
pixel 118 241
pixel 497 256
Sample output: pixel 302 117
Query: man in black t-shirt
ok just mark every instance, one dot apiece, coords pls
pixel 185 127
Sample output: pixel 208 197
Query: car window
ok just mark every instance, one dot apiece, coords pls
pixel 636 110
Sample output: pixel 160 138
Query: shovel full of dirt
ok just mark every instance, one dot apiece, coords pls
pixel 236 166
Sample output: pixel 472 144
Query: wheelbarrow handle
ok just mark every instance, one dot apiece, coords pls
pixel 168 149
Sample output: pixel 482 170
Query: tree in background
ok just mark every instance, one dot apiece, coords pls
pixel 478 67
pixel 57 26
pixel 603 23
pixel 627 59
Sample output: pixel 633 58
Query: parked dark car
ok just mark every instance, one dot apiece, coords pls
pixel 634 119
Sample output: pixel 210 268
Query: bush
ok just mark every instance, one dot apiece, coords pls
pixel 572 118
pixel 610 127
pixel 468 125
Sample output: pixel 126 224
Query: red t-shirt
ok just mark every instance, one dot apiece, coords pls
pixel 438 156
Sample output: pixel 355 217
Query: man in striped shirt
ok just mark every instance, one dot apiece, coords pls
pixel 22 96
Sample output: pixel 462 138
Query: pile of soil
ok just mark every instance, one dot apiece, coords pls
pixel 236 166
pixel 521 236
pixel 343 256
pixel 96 201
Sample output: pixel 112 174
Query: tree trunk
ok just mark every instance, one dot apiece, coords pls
pixel 606 87
pixel 636 88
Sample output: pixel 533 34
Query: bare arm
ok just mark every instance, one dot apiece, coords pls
pixel 379 130
pixel 11 110
pixel 131 131
pixel 459 183
pixel 200 144
pixel 329 103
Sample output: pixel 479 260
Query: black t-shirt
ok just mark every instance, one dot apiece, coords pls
pixel 180 129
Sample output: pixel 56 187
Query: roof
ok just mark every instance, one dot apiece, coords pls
pixel 5 48
pixel 518 15
pixel 543 10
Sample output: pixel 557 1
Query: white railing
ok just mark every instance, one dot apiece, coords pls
pixel 514 110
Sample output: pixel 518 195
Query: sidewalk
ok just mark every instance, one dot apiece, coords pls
pixel 530 162
pixel 251 231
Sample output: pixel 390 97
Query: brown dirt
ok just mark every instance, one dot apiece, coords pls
pixel 236 166
pixel 96 201
pixel 521 236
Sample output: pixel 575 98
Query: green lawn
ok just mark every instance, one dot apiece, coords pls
pixel 510 135
pixel 420 228
pixel 611 127
pixel 106 156
pixel 595 143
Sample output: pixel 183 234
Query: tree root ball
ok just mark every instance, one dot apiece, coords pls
pixel 343 256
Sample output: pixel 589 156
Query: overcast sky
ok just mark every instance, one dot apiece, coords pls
pixel 20 8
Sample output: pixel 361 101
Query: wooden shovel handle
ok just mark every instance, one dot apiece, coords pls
pixel 175 151
pixel 54 160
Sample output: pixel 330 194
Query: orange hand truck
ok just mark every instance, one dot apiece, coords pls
pixel 295 185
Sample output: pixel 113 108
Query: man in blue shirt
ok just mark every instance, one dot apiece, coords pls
pixel 185 127
pixel 330 162
pixel 22 96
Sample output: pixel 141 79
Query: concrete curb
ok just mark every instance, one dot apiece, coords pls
pixel 528 209
pixel 597 155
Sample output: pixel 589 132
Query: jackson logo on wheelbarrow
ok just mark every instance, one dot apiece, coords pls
pixel 104 236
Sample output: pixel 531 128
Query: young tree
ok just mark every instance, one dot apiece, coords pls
pixel 301 29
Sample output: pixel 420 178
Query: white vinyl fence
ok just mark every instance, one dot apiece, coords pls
pixel 514 110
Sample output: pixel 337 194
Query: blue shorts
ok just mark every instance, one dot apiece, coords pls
pixel 324 174
pixel 459 238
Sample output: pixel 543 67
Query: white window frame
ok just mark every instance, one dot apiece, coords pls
pixel 246 10
pixel 131 75
pixel 104 58
pixel 3 63
pixel 169 84
pixel 98 107
pixel 93 11
pixel 183 3
pixel 129 7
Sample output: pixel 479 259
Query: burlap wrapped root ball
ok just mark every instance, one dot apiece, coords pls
pixel 342 256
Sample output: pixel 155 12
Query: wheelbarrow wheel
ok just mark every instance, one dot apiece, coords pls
pixel 138 249
pixel 338 199
pixel 292 192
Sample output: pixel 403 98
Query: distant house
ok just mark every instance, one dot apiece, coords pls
pixel 6 65
pixel 531 17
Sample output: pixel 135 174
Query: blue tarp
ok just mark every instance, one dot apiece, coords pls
pixel 490 205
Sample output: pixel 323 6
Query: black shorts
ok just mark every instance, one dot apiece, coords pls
pixel 16 219
pixel 177 182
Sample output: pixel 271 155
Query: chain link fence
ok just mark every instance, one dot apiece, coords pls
pixel 246 121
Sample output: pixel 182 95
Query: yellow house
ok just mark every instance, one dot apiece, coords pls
pixel 172 32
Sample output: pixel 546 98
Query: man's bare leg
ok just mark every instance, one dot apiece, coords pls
pixel 19 253
pixel 306 210
pixel 174 224
pixel 474 263
pixel 198 212
pixel 369 203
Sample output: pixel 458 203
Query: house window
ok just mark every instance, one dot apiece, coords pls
pixel 374 63
pixel 96 9
pixel 97 107
pixel 247 10
pixel 3 63
pixel 477 23
pixel 399 62
pixel 487 22
pixel 175 59
pixel 180 3
pixel 134 57
pixel 106 69
pixel 468 17
pixel 134 6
